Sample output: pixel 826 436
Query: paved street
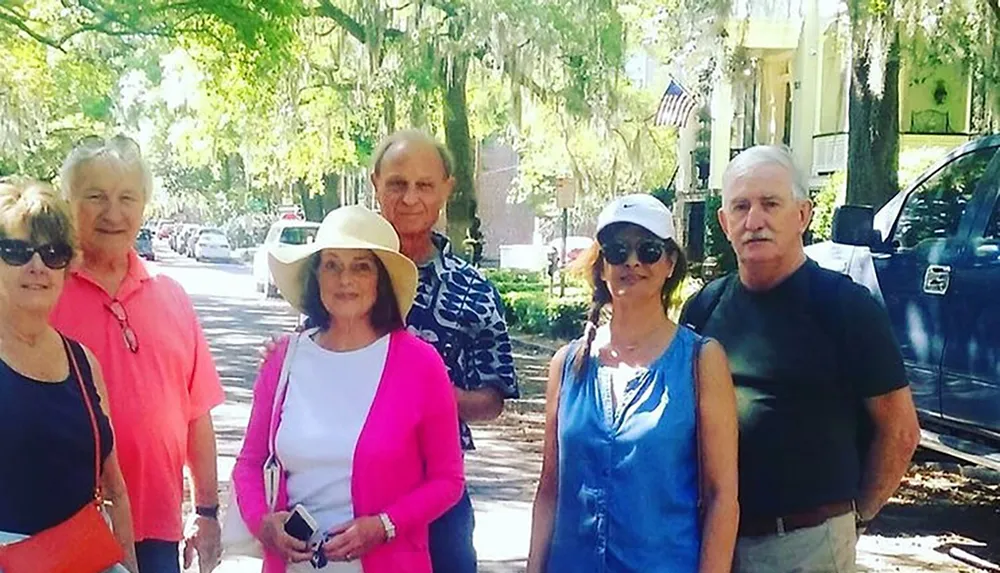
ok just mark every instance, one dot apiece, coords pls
pixel 502 473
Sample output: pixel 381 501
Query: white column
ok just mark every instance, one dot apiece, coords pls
pixel 686 140
pixel 806 88
pixel 722 123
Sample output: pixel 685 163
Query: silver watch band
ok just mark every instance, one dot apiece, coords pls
pixel 388 525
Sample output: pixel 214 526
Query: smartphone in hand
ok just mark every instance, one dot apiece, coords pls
pixel 300 524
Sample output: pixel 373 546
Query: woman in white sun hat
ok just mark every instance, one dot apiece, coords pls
pixel 366 429
pixel 639 466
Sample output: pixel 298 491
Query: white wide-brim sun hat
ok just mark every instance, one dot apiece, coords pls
pixel 352 227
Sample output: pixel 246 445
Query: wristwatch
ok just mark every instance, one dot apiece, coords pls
pixel 209 511
pixel 390 527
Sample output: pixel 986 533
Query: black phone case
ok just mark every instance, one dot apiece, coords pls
pixel 298 528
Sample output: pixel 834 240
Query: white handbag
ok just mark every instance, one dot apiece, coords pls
pixel 236 537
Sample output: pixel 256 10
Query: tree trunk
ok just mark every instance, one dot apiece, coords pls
pixel 873 139
pixel 462 204
pixel 389 111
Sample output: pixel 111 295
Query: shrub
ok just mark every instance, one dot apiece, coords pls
pixel 825 202
pixel 537 313
pixel 717 246
pixel 688 288
pixel 511 280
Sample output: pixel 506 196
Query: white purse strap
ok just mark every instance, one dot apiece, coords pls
pixel 272 467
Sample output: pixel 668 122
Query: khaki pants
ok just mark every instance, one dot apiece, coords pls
pixel 826 548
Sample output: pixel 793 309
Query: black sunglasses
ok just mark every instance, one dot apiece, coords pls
pixel 18 253
pixel 648 252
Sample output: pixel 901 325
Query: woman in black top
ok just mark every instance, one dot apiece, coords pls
pixel 47 444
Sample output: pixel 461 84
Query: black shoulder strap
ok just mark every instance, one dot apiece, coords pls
pixel 823 287
pixel 81 358
pixel 703 304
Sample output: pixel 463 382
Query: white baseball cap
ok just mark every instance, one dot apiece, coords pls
pixel 639 209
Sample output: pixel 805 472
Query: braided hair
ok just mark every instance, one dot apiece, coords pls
pixel 591 265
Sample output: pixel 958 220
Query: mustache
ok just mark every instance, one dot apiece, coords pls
pixel 762 235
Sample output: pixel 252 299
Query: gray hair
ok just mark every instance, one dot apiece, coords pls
pixel 760 155
pixel 120 148
pixel 413 136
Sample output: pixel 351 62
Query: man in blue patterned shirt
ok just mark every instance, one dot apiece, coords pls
pixel 457 310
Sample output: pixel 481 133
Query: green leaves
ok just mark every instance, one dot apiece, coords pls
pixel 242 104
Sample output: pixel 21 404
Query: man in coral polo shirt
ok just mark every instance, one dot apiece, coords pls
pixel 161 380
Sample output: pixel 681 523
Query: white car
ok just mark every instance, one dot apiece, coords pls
pixel 284 232
pixel 212 245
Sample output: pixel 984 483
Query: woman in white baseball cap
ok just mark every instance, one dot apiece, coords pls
pixel 364 427
pixel 639 468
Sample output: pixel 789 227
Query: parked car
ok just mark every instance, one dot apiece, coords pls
pixel 284 232
pixel 144 244
pixel 932 255
pixel 212 245
pixel 165 230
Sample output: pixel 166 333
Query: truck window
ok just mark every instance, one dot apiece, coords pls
pixel 298 235
pixel 993 227
pixel 934 209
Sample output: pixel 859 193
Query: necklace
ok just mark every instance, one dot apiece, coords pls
pixel 622 347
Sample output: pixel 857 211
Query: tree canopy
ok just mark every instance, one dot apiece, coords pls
pixel 244 104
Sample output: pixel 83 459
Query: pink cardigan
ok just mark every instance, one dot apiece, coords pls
pixel 407 462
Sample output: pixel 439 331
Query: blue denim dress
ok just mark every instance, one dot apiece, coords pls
pixel 628 480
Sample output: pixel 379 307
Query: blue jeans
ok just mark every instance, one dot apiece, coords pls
pixel 451 545
pixel 158 556
pixel 10 537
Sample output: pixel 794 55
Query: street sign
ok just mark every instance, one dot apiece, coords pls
pixel 565 193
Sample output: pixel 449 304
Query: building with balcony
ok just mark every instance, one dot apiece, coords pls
pixel 788 83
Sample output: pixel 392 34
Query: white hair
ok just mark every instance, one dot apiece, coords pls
pixel 121 149
pixel 760 155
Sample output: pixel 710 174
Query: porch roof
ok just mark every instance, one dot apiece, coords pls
pixel 765 34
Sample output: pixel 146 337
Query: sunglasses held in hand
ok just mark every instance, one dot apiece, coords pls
pixel 18 253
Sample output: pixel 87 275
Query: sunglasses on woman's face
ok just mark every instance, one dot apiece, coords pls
pixel 648 252
pixel 17 253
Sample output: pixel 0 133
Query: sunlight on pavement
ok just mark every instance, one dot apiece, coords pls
pixel 905 555
pixel 502 530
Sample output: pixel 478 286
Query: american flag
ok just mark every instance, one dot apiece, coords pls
pixel 675 106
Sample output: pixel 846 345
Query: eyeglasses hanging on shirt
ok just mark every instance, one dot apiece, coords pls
pixel 131 340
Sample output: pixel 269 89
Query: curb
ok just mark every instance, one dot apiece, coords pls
pixel 525 406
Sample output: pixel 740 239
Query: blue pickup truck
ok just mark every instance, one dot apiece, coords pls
pixel 932 255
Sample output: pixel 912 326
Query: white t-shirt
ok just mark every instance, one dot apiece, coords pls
pixel 326 405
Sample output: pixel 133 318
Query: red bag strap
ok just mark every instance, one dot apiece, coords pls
pixel 93 420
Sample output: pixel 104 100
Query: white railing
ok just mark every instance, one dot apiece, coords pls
pixel 829 153
pixel 768 9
